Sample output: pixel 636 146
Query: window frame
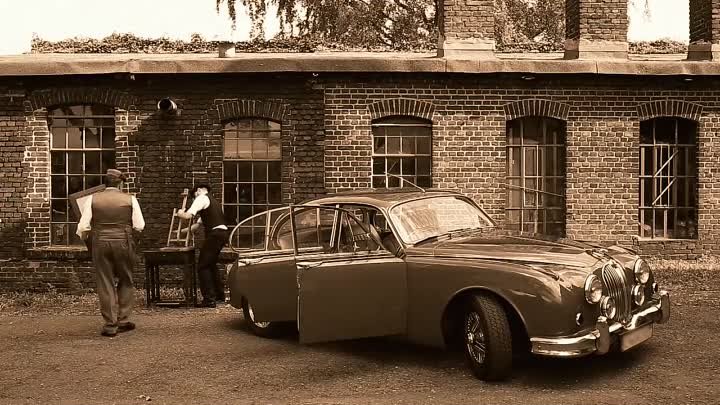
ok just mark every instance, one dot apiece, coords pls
pixel 56 113
pixel 381 180
pixel 540 192
pixel 658 190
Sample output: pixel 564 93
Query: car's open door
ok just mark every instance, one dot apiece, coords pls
pixel 353 287
pixel 265 275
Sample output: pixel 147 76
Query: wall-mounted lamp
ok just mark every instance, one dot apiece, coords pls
pixel 528 77
pixel 167 106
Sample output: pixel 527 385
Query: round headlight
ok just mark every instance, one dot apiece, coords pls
pixel 608 308
pixel 593 289
pixel 638 293
pixel 642 271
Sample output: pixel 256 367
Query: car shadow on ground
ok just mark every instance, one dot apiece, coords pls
pixel 528 369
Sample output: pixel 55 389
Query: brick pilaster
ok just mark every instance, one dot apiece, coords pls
pixel 596 29
pixel 704 30
pixel 466 28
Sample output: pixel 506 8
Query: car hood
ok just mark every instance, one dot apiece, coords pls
pixel 516 249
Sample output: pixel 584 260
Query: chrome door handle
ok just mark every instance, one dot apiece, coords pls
pixel 249 262
pixel 308 265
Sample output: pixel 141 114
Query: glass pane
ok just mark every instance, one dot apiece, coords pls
pixel 393 145
pixel 260 172
pixel 408 145
pixel 274 194
pixel 75 184
pixel 274 171
pixel 74 239
pixel 378 165
pixel 58 187
pixel 259 194
pixel 92 163
pixel 244 212
pixel 393 165
pixel 393 182
pixel 244 171
pixel 244 193
pixel 108 161
pixel 57 122
pixel 379 145
pixel 75 162
pixel 423 145
pixel 424 181
pixel 108 138
pixel 59 234
pixel 100 109
pixel 274 126
pixel 408 166
pixel 74 138
pixel 59 210
pixel 58 138
pixel 514 194
pixel 514 163
pixel 92 137
pixel 274 149
pixel 260 124
pixel 260 149
pixel 230 193
pixel 57 162
pixel 531 162
pixel 230 171
pixel 687 131
pixel 230 149
pixel 424 166
pixel 230 212
pixel 378 181
pixel 512 218
pixel 245 125
pixel 92 181
pixel 244 149
pixel 230 127
pixel 514 132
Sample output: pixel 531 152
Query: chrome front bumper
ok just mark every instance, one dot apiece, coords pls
pixel 598 340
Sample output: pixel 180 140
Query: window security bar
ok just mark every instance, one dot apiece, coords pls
pixel 534 190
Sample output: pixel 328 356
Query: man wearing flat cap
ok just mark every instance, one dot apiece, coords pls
pixel 109 218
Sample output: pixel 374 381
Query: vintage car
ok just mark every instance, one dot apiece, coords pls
pixel 431 266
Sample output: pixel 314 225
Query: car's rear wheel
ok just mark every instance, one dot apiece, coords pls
pixel 264 329
pixel 487 339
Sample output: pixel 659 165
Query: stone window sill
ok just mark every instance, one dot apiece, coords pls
pixel 59 253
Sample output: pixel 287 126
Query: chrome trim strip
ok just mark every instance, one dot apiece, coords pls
pixel 597 339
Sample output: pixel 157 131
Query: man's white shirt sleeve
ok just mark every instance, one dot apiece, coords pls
pixel 200 203
pixel 138 222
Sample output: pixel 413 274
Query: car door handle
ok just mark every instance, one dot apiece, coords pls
pixel 308 265
pixel 249 262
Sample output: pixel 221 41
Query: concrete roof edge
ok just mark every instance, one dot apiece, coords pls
pixel 75 64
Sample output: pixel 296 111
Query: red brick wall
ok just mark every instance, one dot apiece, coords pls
pixel 705 21
pixel 596 20
pixel 327 145
pixel 464 19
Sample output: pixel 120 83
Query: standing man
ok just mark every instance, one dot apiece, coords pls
pixel 109 217
pixel 212 286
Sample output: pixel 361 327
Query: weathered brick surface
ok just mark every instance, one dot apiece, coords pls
pixel 705 21
pixel 12 181
pixel 596 20
pixel 465 19
pixel 327 145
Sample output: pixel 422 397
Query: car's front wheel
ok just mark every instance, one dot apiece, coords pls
pixel 264 329
pixel 487 338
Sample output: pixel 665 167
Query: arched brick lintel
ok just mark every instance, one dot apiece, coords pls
pixel 81 95
pixel 251 108
pixel 536 107
pixel 669 108
pixel 401 106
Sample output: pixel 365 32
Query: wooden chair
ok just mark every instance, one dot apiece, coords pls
pixel 175 235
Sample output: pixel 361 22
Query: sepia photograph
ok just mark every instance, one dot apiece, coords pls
pixel 359 202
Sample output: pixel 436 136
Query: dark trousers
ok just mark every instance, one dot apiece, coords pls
pixel 212 286
pixel 114 257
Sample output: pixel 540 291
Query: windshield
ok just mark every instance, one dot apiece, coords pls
pixel 422 219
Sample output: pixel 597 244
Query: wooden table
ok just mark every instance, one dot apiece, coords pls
pixel 176 256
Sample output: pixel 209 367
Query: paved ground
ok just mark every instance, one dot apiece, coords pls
pixel 206 356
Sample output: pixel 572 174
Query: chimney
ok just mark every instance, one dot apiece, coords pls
pixel 466 29
pixel 704 30
pixel 596 29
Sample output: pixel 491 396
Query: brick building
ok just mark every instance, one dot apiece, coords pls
pixel 592 144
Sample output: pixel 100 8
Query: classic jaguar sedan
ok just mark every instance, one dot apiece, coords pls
pixel 431 266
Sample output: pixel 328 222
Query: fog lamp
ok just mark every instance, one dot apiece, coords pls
pixel 638 293
pixel 608 308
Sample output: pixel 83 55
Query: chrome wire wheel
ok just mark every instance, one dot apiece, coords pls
pixel 252 318
pixel 474 337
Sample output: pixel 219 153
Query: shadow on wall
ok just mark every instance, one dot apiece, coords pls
pixel 11 240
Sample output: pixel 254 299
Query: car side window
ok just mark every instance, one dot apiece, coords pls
pixel 355 236
pixel 313 228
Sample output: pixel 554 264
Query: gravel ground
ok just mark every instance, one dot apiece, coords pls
pixel 179 356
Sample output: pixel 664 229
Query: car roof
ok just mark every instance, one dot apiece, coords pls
pixel 383 198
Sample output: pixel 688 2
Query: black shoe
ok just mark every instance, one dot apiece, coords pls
pixel 207 304
pixel 108 332
pixel 125 327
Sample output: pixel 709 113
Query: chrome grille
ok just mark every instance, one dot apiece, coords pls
pixel 615 282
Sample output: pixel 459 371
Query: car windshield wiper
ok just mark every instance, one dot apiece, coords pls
pixel 463 230
pixel 432 238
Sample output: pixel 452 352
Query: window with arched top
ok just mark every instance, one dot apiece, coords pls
pixel 252 167
pixel 536 176
pixel 402 147
pixel 82 148
pixel 668 178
